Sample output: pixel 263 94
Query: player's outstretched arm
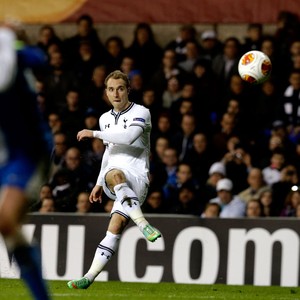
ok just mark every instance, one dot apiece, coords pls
pixel 132 133
pixel 85 133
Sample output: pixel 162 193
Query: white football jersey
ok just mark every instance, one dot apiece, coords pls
pixel 134 157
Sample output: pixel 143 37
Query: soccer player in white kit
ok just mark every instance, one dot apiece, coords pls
pixel 124 174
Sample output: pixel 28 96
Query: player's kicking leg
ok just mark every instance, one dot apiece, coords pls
pixel 126 207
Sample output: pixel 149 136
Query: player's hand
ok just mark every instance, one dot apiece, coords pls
pixel 96 194
pixel 85 133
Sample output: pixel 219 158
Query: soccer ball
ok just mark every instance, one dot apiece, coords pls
pixel 255 67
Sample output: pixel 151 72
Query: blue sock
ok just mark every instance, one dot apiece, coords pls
pixel 28 259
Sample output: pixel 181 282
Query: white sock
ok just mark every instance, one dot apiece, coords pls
pixel 131 204
pixel 106 249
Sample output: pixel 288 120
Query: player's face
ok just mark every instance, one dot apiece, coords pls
pixel 117 94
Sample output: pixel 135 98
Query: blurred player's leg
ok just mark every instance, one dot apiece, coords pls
pixel 12 209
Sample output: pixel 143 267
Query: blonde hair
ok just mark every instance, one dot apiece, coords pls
pixel 118 75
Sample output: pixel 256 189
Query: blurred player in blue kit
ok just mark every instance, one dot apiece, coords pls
pixel 22 148
pixel 124 174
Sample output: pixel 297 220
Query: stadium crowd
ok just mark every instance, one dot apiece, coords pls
pixel 220 147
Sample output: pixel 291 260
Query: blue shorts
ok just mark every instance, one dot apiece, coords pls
pixel 17 171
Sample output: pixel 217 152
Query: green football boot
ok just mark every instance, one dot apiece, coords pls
pixel 82 283
pixel 151 233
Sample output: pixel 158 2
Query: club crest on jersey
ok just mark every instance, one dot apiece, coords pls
pixel 139 119
pixel 125 120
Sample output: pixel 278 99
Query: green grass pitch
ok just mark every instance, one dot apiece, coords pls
pixel 14 289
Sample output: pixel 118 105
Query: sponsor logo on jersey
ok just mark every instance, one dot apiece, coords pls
pixel 139 119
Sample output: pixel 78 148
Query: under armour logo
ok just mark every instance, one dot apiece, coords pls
pixel 107 126
pixel 107 256
pixel 125 120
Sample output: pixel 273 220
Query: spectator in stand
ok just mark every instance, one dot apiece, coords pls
pixel 204 81
pixel 238 164
pixel 280 189
pixel 41 97
pixel 150 101
pixel 231 205
pixel 287 30
pixel 277 140
pixel 45 192
pixel 254 209
pixel 191 56
pixel 279 66
pixel 287 137
pixel 246 96
pixel 211 46
pixel 254 36
pixel 225 64
pixel 184 175
pixel 83 205
pixel 163 127
pixel 289 110
pixel 93 95
pixel 182 140
pixel 294 59
pixel 54 47
pixel 161 144
pixel 167 69
pixel 64 191
pixel 54 122
pixel 226 129
pixel 266 107
pixel 46 37
pixel 172 92
pixel 58 81
pixel 208 191
pixel 272 172
pixel 190 103
pixel 234 108
pixel 47 205
pixel 297 157
pixel 296 62
pixel 60 148
pixel 92 155
pixel 145 50
pixel 86 61
pixel 85 32
pixel 186 33
pixel 199 157
pixel 136 86
pixel 211 210
pixel 107 204
pixel 291 202
pixel 164 174
pixel 298 211
pixel 79 173
pixel 115 49
pixel 128 64
pixel 155 202
pixel 91 119
pixel 186 202
pixel 233 143
pixel 72 116
pixel 256 185
pixel 266 199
